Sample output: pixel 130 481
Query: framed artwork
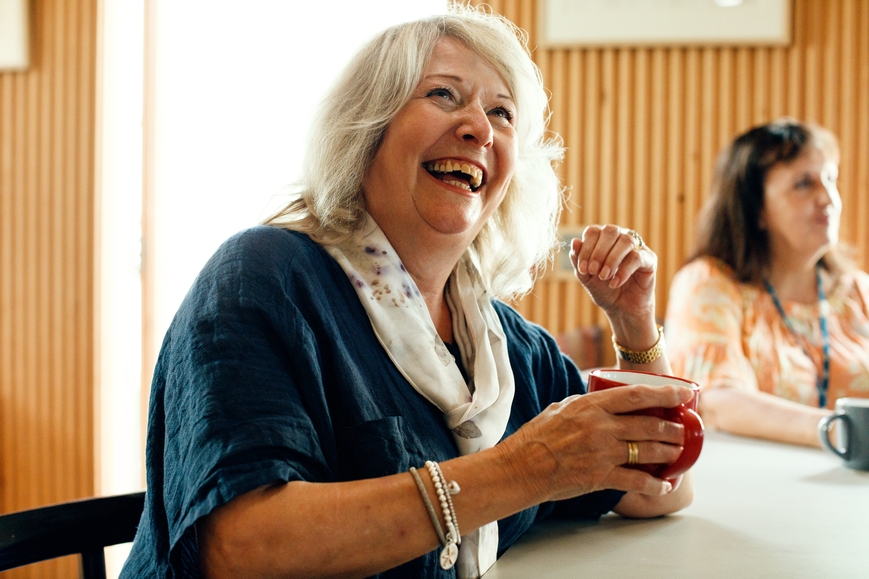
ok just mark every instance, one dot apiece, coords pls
pixel 14 37
pixel 566 23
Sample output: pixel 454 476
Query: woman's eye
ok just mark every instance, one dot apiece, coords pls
pixel 502 112
pixel 803 183
pixel 441 92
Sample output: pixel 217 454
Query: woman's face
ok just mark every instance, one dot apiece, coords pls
pixel 446 160
pixel 802 206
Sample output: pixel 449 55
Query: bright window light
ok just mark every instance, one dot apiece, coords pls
pixel 235 89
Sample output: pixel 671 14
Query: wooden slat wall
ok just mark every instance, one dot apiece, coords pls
pixel 47 267
pixel 643 127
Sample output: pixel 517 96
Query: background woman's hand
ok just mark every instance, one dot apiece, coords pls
pixel 616 269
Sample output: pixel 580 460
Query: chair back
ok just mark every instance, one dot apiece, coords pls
pixel 583 345
pixel 82 527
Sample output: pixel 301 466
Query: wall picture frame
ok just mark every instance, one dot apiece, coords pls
pixel 14 35
pixel 606 23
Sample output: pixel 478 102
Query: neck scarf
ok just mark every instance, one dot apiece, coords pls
pixel 475 412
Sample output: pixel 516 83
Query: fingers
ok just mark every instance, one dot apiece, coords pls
pixel 642 429
pixel 659 452
pixel 610 253
pixel 638 397
pixel 632 480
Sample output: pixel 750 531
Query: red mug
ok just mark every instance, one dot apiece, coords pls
pixel 685 414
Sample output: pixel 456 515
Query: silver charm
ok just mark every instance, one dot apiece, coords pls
pixel 449 556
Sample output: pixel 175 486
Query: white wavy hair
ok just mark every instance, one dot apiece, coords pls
pixel 514 246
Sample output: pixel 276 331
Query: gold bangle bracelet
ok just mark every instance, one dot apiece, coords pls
pixel 645 357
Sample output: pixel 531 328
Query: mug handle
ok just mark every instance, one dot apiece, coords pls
pixel 824 433
pixel 692 447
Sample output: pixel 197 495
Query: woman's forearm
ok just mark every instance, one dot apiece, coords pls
pixel 761 415
pixel 637 505
pixel 350 529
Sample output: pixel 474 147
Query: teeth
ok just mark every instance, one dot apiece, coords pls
pixel 458 184
pixel 472 171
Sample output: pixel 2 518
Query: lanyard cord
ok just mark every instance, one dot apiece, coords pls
pixel 824 377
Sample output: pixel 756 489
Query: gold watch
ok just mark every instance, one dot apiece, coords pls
pixel 645 357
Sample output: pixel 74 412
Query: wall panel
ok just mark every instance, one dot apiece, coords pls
pixel 643 125
pixel 47 267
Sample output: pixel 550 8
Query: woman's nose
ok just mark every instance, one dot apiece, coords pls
pixel 828 194
pixel 475 126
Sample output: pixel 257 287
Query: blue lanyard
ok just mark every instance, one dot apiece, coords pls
pixel 824 377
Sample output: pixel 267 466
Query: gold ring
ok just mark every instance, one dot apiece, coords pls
pixel 640 243
pixel 633 452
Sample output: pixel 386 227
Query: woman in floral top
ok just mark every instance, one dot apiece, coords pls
pixel 767 315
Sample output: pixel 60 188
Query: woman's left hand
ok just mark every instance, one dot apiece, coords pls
pixel 617 269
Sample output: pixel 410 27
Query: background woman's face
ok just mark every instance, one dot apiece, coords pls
pixel 802 205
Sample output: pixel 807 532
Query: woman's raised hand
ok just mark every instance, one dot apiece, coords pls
pixel 617 269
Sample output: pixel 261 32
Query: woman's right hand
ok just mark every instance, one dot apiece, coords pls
pixel 579 445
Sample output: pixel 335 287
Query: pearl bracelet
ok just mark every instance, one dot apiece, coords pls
pixel 449 540
pixel 444 491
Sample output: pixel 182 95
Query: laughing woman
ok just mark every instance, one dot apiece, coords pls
pixel 344 394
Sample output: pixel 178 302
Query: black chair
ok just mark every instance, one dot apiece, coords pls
pixel 78 527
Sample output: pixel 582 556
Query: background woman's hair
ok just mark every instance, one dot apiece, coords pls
pixel 729 227
pixel 519 239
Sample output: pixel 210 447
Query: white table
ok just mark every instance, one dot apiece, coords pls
pixel 760 509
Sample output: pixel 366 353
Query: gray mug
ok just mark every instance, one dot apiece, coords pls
pixel 853 432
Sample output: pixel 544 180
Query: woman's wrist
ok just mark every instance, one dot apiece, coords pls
pixel 636 335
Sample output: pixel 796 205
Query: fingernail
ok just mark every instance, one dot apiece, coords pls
pixel 593 268
pixel 605 273
pixel 583 267
pixel 668 487
pixel 614 282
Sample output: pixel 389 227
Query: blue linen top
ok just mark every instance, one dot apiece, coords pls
pixel 271 372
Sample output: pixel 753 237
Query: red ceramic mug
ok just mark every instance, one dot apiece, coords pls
pixel 685 414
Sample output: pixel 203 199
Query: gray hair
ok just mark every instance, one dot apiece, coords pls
pixel 516 243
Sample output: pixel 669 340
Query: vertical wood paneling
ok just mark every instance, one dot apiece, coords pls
pixel 860 231
pixel 640 164
pixel 643 127
pixel 47 267
pixel 653 229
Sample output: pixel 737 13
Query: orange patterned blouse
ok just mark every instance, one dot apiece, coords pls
pixel 723 333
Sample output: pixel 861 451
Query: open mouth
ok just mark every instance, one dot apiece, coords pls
pixel 457 173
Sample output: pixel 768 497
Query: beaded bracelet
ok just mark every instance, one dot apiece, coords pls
pixel 450 552
pixel 445 492
pixel 449 540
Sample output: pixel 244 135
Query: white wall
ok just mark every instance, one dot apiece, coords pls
pixel 120 53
